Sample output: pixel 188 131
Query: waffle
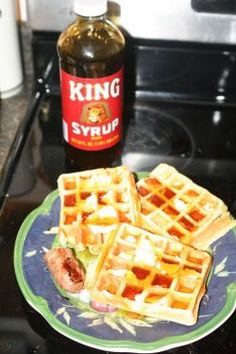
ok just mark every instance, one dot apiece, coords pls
pixel 93 203
pixel 174 206
pixel 151 275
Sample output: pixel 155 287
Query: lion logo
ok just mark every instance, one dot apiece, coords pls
pixel 95 113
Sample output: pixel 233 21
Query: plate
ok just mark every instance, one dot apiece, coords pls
pixel 112 330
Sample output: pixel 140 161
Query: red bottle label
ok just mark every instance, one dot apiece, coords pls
pixel 92 110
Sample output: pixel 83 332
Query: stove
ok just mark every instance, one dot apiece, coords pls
pixel 180 108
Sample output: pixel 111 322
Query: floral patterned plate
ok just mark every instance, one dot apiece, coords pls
pixel 78 319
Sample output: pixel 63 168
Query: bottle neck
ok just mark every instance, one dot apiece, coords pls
pixel 91 18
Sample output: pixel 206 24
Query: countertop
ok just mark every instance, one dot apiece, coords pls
pixel 13 109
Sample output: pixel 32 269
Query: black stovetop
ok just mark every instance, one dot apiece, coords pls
pixel 198 139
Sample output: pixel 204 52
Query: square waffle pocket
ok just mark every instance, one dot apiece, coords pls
pixel 173 205
pixel 150 274
pixel 93 203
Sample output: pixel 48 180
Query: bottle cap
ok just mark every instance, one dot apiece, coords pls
pixel 90 8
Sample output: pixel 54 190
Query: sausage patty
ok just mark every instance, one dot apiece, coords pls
pixel 65 269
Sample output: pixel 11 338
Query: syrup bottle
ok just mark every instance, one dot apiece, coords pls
pixel 91 57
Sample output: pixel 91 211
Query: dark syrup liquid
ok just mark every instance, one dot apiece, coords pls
pixel 91 48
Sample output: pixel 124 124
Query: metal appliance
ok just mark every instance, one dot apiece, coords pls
pixel 211 21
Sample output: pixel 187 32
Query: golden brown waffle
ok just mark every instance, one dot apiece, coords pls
pixel 150 274
pixel 95 202
pixel 172 205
